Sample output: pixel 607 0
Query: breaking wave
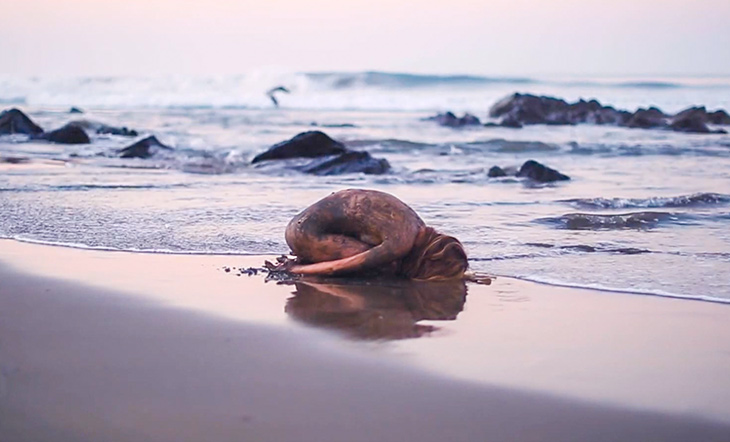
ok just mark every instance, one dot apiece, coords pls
pixel 634 220
pixel 697 199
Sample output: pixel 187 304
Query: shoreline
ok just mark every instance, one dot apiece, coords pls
pixel 245 255
pixel 121 346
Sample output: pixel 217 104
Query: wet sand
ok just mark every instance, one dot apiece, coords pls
pixel 105 346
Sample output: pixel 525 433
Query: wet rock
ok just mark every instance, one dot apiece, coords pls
pixel 609 116
pixel 75 110
pixel 695 120
pixel 305 145
pixel 690 123
pixel 68 134
pixel 511 123
pixel 718 117
pixel 530 109
pixel 105 129
pixel 328 157
pixel 348 162
pixel 692 113
pixel 144 148
pixel 538 172
pixel 496 172
pixel 581 111
pixel 112 130
pixel 13 121
pixel 520 109
pixel 448 119
pixel 647 119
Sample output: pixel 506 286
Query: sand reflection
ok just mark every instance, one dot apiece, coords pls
pixel 376 310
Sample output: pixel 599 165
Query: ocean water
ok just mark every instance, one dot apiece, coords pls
pixel 646 211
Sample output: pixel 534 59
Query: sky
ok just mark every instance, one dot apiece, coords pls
pixel 487 37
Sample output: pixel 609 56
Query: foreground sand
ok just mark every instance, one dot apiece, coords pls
pixel 104 346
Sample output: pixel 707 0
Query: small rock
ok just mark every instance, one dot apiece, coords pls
pixel 68 134
pixel 144 148
pixel 348 162
pixel 690 123
pixel 448 119
pixel 719 117
pixel 13 121
pixel 496 172
pixel 539 172
pixel 311 144
pixel 647 119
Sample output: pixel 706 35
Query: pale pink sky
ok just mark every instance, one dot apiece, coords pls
pixel 492 37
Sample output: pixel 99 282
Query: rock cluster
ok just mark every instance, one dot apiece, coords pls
pixel 143 148
pixel 518 110
pixel 14 121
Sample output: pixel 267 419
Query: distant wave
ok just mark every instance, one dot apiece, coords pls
pixel 398 80
pixel 697 199
pixel 364 90
pixel 650 85
pixel 344 80
pixel 12 100
pixel 634 220
pixel 585 248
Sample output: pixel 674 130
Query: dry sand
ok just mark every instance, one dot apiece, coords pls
pixel 110 346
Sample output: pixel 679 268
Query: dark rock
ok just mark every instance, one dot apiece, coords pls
pixel 511 123
pixel 13 121
pixel 695 120
pixel 647 119
pixel 144 148
pixel 690 123
pixel 609 116
pixel 531 109
pixel 520 109
pixel 719 117
pixel 538 172
pixel 581 111
pixel 305 145
pixel 111 130
pixel 68 134
pixel 348 162
pixel 693 113
pixel 75 110
pixel 104 129
pixel 448 119
pixel 496 172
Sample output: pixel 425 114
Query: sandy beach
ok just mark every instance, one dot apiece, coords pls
pixel 116 346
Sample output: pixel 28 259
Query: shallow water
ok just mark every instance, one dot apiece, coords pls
pixel 646 211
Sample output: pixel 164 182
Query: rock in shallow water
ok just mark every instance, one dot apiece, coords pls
pixel 530 169
pixel 68 134
pixel 448 119
pixel 520 109
pixel 496 172
pixel 305 145
pixel 329 157
pixel 541 173
pixel 105 129
pixel 348 162
pixel 647 119
pixel 144 148
pixel 13 121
